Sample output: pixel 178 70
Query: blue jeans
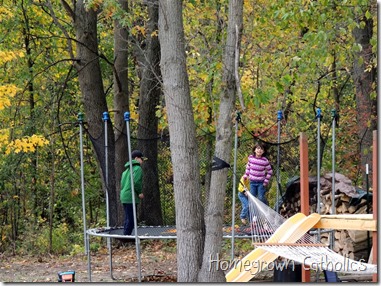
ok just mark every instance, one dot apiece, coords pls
pixel 245 206
pixel 258 190
pixel 129 222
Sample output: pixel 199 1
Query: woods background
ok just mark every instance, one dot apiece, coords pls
pixel 208 61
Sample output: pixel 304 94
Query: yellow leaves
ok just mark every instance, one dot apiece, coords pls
pixel 6 93
pixel 219 66
pixel 110 11
pixel 369 68
pixel 64 227
pixel 5 13
pixel 41 219
pixel 3 137
pixel 27 144
pixel 247 80
pixel 189 5
pixel 248 6
pixel 138 29
pixel 203 76
pixel 9 56
pixel 134 115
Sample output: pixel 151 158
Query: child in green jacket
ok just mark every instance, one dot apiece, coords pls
pixel 126 193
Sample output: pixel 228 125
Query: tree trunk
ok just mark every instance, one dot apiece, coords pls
pixel 38 206
pixel 150 92
pixel 209 149
pixel 91 85
pixel 364 77
pixel 184 153
pixel 215 205
pixel 121 104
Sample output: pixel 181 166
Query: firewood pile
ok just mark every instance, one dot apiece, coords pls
pixel 348 200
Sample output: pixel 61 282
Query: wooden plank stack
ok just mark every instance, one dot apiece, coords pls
pixel 354 244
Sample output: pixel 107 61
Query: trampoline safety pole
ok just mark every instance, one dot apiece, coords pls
pixel 137 241
pixel 106 119
pixel 375 174
pixel 367 205
pixel 304 190
pixel 333 208
pixel 279 118
pixel 238 118
pixel 80 121
pixel 88 257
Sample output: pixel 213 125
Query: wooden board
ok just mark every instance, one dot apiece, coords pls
pixel 348 221
pixel 290 231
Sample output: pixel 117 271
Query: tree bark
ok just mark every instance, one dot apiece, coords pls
pixel 121 105
pixel 149 99
pixel 91 85
pixel 215 204
pixel 38 205
pixel 364 77
pixel 184 153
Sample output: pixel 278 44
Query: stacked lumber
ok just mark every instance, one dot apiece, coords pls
pixel 349 243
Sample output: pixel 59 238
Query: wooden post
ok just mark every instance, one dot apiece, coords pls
pixel 304 189
pixel 374 201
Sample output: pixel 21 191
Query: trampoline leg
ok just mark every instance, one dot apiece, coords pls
pixel 137 242
pixel 88 257
pixel 110 255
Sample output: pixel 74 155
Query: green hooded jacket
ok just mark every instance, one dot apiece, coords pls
pixel 125 192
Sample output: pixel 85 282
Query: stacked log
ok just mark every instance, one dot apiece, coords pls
pixel 291 199
pixel 354 244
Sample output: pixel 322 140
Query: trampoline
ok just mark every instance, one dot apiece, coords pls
pixel 155 232
pixel 161 232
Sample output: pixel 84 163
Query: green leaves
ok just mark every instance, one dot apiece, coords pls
pixel 262 97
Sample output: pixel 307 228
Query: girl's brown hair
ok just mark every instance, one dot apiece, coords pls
pixel 260 145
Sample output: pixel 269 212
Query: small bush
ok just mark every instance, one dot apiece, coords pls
pixel 36 241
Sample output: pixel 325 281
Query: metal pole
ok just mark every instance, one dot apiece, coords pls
pixel 238 118
pixel 333 208
pixel 88 257
pixel 106 118
pixel 137 241
pixel 279 118
pixel 80 120
pixel 367 204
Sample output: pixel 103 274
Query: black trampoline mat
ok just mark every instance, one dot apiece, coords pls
pixel 164 232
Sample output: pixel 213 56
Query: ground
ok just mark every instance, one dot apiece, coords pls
pixel 158 264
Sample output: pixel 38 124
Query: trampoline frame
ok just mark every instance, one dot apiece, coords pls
pixel 102 232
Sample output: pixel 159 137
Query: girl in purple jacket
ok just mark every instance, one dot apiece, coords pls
pixel 259 172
